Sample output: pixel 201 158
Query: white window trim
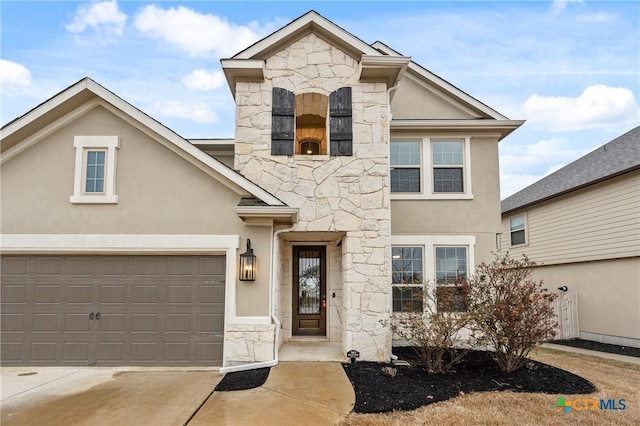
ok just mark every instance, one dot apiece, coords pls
pixel 425 280
pixel 526 230
pixel 430 242
pixel 83 144
pixel 426 171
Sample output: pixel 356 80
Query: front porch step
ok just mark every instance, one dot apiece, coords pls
pixel 311 350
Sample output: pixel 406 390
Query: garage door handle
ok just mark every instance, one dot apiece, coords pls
pixel 91 316
pixel 98 316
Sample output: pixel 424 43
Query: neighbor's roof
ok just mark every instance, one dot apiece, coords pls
pixel 619 156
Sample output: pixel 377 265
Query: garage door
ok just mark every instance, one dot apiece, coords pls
pixel 112 310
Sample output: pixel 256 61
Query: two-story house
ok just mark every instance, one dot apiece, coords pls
pixel 356 179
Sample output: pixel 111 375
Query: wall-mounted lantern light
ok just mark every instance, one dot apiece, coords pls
pixel 248 264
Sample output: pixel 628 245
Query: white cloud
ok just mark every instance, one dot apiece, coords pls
pixel 105 18
pixel 197 34
pixel 13 74
pixel 198 112
pixel 512 183
pixel 522 165
pixel 597 17
pixel 558 6
pixel 539 157
pixel 598 107
pixel 202 80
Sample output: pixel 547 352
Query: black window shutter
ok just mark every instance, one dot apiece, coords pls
pixel 282 121
pixel 341 133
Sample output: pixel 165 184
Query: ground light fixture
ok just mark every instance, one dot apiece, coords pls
pixel 248 264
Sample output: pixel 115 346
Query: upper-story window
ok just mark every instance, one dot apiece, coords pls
pixel 517 227
pixel 405 166
pixel 448 166
pixel 300 124
pixel 95 170
pixel 431 168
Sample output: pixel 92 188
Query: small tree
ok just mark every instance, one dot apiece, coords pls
pixel 440 338
pixel 512 311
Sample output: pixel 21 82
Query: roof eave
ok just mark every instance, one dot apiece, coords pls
pixel 388 69
pixel 279 214
pixel 570 190
pixel 504 127
pixel 248 70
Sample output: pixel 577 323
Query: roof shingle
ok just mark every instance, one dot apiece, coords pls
pixel 619 156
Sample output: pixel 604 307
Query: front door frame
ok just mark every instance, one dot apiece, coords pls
pixel 295 329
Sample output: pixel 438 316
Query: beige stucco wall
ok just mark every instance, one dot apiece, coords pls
pixel 416 99
pixel 608 294
pixel 478 217
pixel 159 193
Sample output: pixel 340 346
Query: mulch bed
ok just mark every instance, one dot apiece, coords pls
pixel 242 380
pixel 600 347
pixel 413 387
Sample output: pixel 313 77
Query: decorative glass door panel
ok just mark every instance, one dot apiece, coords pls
pixel 309 290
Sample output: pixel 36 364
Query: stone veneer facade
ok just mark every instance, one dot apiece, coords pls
pixel 346 194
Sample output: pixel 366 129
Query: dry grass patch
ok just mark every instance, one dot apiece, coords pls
pixel 613 379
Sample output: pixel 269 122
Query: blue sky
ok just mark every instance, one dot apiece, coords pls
pixel 570 68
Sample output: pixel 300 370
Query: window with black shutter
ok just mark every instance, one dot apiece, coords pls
pixel 282 121
pixel 299 123
pixel 340 128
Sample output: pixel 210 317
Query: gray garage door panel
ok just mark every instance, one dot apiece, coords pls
pixel 112 310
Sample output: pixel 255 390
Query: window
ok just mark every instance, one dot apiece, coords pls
pixel 439 264
pixel 431 168
pixel 405 166
pixel 518 231
pixel 447 166
pixel 299 123
pixel 95 166
pixel 94 174
pixel 451 275
pixel 407 279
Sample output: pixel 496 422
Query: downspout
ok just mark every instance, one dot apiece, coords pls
pixel 272 283
pixel 392 88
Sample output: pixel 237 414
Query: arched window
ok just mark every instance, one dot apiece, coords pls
pixel 311 124
pixel 310 147
pixel 307 123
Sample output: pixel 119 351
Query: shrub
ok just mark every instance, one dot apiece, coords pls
pixel 512 311
pixel 440 338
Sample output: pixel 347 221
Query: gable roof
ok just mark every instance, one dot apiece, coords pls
pixel 444 85
pixel 249 64
pixel 621 155
pixel 36 124
pixel 310 21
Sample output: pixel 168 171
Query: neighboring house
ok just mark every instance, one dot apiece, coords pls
pixel 359 177
pixel 582 224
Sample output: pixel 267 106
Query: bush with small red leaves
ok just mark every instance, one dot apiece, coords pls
pixel 513 312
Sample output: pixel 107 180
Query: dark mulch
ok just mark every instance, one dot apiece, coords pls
pixel 242 380
pixel 600 347
pixel 413 387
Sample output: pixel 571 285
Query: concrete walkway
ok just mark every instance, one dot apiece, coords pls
pixel 309 393
pixel 563 348
pixel 313 393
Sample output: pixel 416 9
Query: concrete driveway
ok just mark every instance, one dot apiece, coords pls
pixel 313 393
pixel 102 396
